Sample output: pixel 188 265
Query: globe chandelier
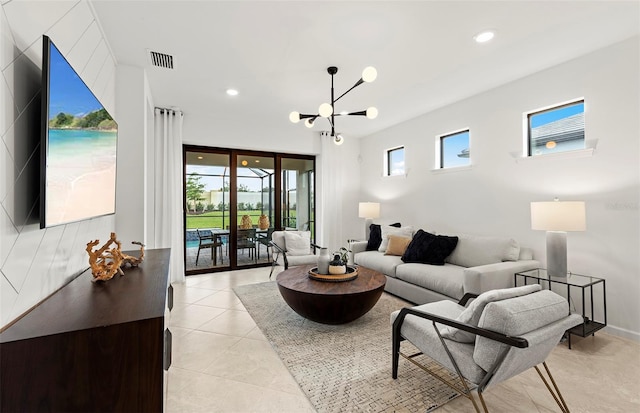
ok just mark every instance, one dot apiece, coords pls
pixel 327 110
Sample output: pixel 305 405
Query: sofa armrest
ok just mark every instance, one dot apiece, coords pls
pixel 358 246
pixel 483 278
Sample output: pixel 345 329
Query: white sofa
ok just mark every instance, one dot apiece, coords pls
pixel 477 264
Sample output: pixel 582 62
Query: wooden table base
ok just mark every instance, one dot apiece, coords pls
pixel 330 302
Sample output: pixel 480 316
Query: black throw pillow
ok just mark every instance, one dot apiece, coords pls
pixel 375 236
pixel 418 246
pixel 439 249
pixel 427 248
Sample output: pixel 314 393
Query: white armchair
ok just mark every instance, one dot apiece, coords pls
pixel 501 334
pixel 292 248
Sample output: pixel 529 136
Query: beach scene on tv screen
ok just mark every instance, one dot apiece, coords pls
pixel 81 149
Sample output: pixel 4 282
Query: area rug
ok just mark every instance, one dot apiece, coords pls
pixel 343 368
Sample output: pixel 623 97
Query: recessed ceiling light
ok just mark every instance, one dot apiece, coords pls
pixel 483 37
pixel 200 157
pixel 244 163
pixel 232 92
pixel 257 160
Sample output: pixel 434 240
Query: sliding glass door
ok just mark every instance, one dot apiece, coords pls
pixel 207 212
pixel 234 200
pixel 255 188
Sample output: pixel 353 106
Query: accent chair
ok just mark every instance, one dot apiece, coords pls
pixel 499 335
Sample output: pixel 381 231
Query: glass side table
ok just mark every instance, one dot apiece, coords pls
pixel 585 284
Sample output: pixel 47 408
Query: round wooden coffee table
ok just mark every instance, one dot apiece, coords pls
pixel 330 302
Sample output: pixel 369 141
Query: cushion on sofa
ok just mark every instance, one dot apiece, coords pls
pixel 397 245
pixel 375 236
pixel 474 311
pixel 429 248
pixel 444 279
pixel 473 251
pixel 385 264
pixel 406 232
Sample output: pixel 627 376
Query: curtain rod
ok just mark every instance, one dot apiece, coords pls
pixel 172 111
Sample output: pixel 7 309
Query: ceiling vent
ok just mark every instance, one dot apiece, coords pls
pixel 161 60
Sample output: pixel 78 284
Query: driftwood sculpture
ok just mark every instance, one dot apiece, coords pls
pixel 106 261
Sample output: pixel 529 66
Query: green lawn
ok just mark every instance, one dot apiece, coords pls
pixel 213 219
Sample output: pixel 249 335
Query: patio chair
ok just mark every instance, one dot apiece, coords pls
pixel 292 248
pixel 501 334
pixel 264 238
pixel 247 240
pixel 207 240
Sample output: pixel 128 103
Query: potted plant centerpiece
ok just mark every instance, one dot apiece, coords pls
pixel 339 263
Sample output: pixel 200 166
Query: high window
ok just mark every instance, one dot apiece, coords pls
pixel 454 149
pixel 395 161
pixel 556 129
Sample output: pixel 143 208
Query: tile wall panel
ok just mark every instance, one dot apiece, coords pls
pixel 8 236
pixel 91 70
pixel 8 297
pixel 34 18
pixel 35 262
pixel 23 78
pixel 67 32
pixel 7 45
pixel 8 108
pixel 7 169
pixel 82 51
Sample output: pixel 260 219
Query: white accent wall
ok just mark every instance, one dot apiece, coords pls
pixel 492 197
pixel 34 262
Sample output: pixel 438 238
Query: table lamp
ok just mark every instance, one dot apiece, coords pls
pixel 557 218
pixel 368 211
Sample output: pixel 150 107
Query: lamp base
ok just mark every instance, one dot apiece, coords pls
pixel 557 253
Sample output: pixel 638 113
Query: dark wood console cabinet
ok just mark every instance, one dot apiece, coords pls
pixel 92 346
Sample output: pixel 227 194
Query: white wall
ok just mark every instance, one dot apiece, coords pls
pixel 34 262
pixel 493 196
pixel 132 159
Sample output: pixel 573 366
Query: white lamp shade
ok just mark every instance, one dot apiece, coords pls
pixel 369 210
pixel 558 216
pixel 372 113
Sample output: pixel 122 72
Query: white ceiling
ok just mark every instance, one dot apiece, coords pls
pixel 276 52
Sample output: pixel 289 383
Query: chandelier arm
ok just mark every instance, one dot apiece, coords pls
pixel 358 83
pixel 307 116
pixel 359 113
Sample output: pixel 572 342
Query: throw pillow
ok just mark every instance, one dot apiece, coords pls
pixel 375 236
pixel 417 248
pixel 427 248
pixel 397 245
pixel 406 232
pixel 471 315
pixel 439 249
pixel 297 243
pixel 473 250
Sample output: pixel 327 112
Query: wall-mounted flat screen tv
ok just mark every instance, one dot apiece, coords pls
pixel 78 146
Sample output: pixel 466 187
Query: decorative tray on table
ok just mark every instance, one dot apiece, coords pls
pixel 351 274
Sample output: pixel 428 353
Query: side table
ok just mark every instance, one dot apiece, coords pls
pixel 584 284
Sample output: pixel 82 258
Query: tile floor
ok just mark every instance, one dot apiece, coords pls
pixel 223 363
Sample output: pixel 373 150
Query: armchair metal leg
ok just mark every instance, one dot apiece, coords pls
pixel 557 396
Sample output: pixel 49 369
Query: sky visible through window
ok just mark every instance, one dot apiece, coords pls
pixel 455 150
pixel 396 161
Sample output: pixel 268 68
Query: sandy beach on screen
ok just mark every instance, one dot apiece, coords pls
pixel 91 193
